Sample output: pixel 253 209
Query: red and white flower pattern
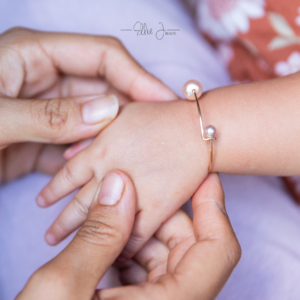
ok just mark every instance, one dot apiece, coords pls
pixel 258 39
pixel 297 20
pixel 292 65
pixel 224 19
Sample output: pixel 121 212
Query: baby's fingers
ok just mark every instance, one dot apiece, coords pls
pixel 76 148
pixel 74 174
pixel 75 213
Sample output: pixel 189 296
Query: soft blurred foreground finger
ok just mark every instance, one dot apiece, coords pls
pixel 130 272
pixel 78 269
pixel 22 158
pixel 153 257
pixel 177 234
pixel 50 159
pixel 144 228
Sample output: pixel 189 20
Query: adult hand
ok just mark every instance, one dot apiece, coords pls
pixel 184 260
pixel 77 270
pixel 62 68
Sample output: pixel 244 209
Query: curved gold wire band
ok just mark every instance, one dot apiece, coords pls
pixel 210 139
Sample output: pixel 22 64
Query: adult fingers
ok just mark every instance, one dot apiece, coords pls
pixel 73 86
pixel 58 120
pixel 153 257
pixel 208 264
pixel 96 245
pixel 147 265
pixel 144 228
pixel 177 234
pixel 162 252
pixel 72 54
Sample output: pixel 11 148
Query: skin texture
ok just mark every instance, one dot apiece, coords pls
pixel 154 143
pixel 258 127
pixel 33 66
pixel 159 145
pixel 44 80
pixel 185 259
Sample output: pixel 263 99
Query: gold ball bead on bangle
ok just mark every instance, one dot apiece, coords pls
pixel 190 87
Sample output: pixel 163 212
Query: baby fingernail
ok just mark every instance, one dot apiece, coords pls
pixel 40 201
pixel 100 109
pixel 111 189
pixel 50 239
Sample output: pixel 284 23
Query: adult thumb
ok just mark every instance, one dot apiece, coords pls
pixel 59 120
pixel 77 270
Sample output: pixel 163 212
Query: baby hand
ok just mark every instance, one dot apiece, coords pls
pixel 158 144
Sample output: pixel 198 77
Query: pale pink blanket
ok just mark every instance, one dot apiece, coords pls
pixel 266 220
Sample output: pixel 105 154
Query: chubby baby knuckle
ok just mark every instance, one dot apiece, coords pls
pixel 61 228
pixel 102 153
pixel 68 175
pixel 80 206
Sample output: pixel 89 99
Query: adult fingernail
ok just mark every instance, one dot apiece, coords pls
pixel 111 189
pixel 100 109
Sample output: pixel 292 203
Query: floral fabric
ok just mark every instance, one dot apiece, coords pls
pixel 258 39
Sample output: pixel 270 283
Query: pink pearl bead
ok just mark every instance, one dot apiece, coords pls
pixel 189 88
pixel 210 131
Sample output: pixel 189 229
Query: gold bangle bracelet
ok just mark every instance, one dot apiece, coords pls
pixel 192 90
